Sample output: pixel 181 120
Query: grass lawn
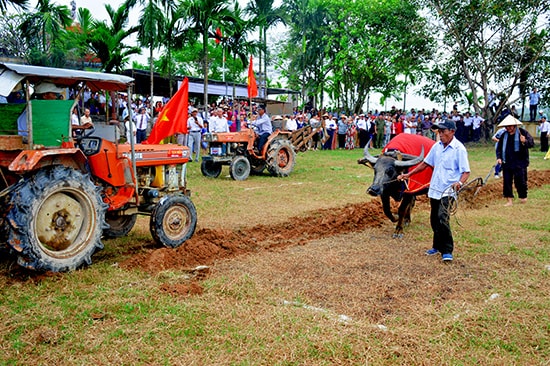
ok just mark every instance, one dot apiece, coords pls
pixel 300 270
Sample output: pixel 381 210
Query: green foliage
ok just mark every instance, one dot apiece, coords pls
pixel 352 49
pixel 500 47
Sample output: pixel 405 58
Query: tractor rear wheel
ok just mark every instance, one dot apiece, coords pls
pixel 57 219
pixel 281 158
pixel 173 220
pixel 239 168
pixel 120 225
pixel 211 169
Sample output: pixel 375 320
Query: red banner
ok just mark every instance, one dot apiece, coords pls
pixel 252 86
pixel 172 118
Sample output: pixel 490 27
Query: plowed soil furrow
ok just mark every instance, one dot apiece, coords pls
pixel 209 245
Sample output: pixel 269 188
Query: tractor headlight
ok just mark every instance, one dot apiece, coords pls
pixel 210 137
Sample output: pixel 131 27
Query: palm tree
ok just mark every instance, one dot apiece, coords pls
pixel 151 28
pixel 236 37
pixel 107 39
pixel 265 16
pixel 21 4
pixel 203 16
pixel 43 29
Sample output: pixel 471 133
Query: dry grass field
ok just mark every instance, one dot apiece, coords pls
pixel 300 271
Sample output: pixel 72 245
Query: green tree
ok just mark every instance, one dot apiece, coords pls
pixel 203 16
pixel 20 4
pixel 107 39
pixel 43 30
pixel 368 45
pixel 12 43
pixel 496 48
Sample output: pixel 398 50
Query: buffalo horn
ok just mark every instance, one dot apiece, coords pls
pixel 408 163
pixel 371 159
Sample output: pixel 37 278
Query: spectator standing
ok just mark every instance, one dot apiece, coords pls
pixel 544 129
pixel 513 153
pixel 534 99
pixel 468 127
pixel 380 130
pixel 130 136
pixel 291 124
pixel 342 131
pixel 362 131
pixel 350 133
pixel 194 126
pixel 477 121
pixel 142 121
pixel 449 159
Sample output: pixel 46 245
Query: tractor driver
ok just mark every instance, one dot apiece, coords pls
pixel 263 127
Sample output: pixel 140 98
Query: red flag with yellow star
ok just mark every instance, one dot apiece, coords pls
pixel 172 118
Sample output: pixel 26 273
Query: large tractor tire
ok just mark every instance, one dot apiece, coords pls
pixel 56 220
pixel 210 169
pixel 281 158
pixel 239 168
pixel 119 225
pixel 173 220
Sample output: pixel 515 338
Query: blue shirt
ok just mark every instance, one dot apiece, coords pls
pixel 263 123
pixel 449 163
pixel 534 98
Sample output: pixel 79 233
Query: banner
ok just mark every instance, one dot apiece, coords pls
pixel 172 118
pixel 252 86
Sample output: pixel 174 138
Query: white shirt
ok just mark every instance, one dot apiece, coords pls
pixel 218 124
pixel 127 125
pixel 477 122
pixel 545 127
pixel 291 124
pixel 142 120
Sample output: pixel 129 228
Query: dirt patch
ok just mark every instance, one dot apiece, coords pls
pixel 210 245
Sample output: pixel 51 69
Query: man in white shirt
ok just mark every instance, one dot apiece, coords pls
pixel 468 127
pixel 476 126
pixel 291 124
pixel 194 126
pixel 217 123
pixel 544 129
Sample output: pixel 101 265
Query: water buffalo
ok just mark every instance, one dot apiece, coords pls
pixel 403 152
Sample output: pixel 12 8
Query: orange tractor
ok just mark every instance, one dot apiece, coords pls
pixel 239 151
pixel 62 192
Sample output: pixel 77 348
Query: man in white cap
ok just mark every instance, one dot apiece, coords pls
pixel 449 159
pixel 194 126
pixel 44 91
pixel 513 153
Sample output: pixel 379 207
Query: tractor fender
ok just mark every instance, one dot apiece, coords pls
pixel 276 135
pixel 29 160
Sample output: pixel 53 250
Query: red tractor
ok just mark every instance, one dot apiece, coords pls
pixel 61 192
pixel 239 151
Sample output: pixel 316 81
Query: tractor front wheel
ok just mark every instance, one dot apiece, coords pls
pixel 239 168
pixel 173 220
